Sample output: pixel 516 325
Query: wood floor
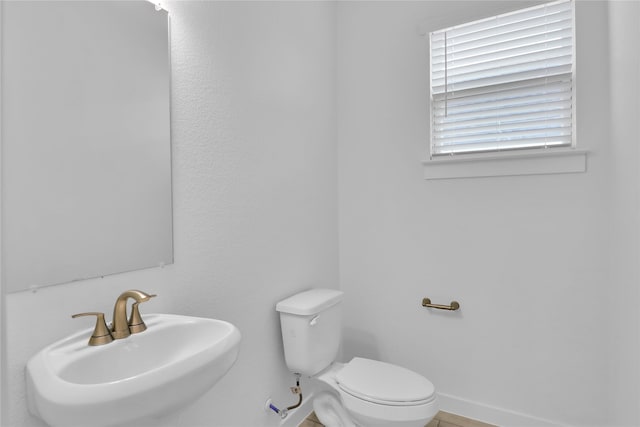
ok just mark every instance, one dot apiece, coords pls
pixel 442 419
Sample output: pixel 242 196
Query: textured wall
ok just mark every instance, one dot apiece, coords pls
pixel 255 196
pixel 623 338
pixel 531 259
pixel 528 257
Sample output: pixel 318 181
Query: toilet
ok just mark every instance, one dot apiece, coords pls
pixel 362 392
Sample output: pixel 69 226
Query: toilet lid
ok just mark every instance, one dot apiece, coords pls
pixel 381 382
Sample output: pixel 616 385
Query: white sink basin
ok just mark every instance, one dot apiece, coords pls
pixel 172 363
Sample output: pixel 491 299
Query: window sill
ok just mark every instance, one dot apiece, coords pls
pixel 511 164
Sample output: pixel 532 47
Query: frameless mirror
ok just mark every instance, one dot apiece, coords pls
pixel 86 159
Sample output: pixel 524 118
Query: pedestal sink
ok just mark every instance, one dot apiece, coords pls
pixel 172 363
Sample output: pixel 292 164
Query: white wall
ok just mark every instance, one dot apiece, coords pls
pixel 255 196
pixel 529 258
pixel 623 285
pixel 2 310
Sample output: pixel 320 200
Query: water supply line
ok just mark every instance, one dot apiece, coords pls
pixel 269 406
pixel 296 390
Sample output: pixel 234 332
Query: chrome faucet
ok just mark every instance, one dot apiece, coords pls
pixel 120 325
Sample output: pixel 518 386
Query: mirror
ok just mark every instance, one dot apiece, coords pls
pixel 86 157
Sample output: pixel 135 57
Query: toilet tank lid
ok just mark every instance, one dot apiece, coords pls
pixel 309 302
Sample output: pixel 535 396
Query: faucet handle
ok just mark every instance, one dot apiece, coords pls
pixel 101 334
pixel 136 324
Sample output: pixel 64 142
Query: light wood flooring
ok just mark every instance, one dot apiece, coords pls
pixel 442 419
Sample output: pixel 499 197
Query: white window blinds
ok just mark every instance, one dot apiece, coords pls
pixel 504 83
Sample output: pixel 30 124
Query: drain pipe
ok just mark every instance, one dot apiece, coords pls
pixel 269 406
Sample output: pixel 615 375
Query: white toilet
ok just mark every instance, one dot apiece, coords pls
pixel 363 392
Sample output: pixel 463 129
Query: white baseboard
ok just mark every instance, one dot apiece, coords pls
pixel 491 414
pixel 452 404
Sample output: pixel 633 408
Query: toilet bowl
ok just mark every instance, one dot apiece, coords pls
pixel 329 410
pixel 362 392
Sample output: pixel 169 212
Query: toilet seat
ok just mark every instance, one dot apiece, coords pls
pixel 370 414
pixel 384 384
pixel 372 393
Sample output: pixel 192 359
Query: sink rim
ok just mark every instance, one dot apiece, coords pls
pixel 50 389
pixel 63 354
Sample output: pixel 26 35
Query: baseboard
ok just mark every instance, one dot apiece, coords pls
pixel 491 414
pixel 452 404
pixel 296 416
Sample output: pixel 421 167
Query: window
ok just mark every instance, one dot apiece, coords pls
pixel 504 83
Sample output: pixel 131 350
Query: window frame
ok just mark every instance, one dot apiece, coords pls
pixel 505 162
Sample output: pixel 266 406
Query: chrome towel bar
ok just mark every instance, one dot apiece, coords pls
pixel 455 305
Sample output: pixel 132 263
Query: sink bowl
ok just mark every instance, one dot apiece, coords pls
pixel 166 367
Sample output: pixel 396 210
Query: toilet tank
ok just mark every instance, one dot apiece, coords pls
pixel 311 329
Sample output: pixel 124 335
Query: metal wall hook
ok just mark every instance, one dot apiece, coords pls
pixel 455 305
